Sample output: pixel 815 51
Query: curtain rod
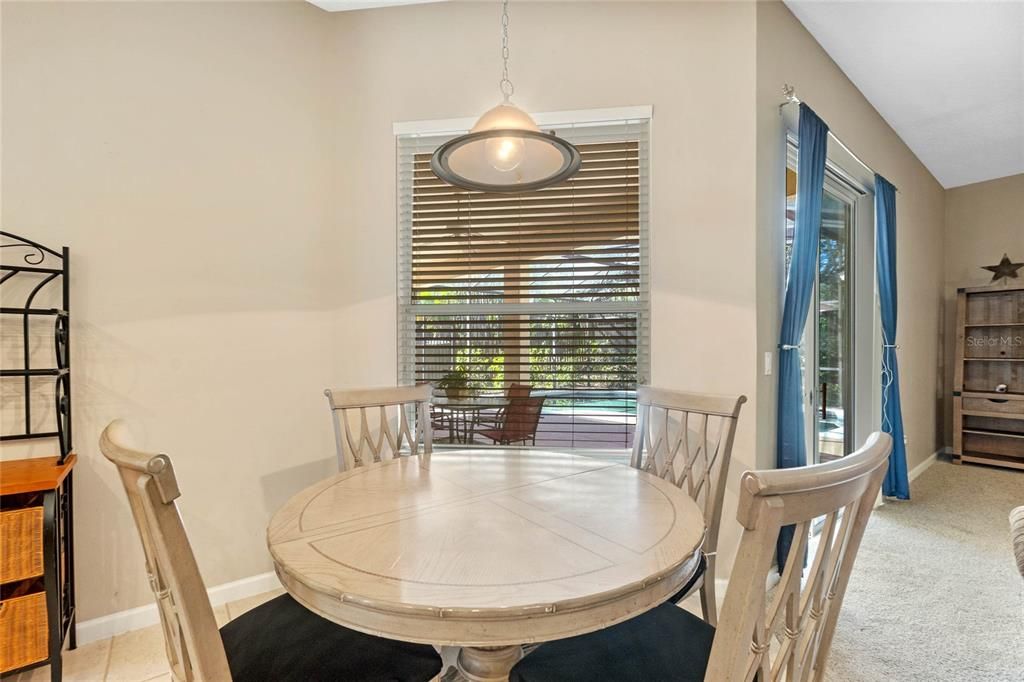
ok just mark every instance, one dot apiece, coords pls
pixel 789 92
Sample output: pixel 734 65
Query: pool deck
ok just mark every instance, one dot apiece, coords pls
pixel 556 431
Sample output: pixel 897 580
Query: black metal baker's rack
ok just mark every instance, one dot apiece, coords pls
pixel 41 268
pixel 52 266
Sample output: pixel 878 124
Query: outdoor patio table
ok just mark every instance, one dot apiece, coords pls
pixel 464 414
pixel 486 549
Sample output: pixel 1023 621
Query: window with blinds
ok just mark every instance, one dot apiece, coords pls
pixel 546 289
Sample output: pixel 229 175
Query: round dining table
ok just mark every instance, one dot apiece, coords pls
pixel 486 549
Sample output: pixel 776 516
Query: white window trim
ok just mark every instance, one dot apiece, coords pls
pixel 557 119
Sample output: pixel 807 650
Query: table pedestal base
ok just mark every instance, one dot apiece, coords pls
pixel 488 664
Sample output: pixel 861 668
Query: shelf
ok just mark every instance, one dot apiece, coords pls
pixel 22 588
pixel 33 311
pixel 994 359
pixel 994 324
pixel 992 395
pixel 991 415
pixel 1005 287
pixel 29 436
pixel 1000 434
pixel 32 268
pixel 994 460
pixel 33 372
pixel 33 475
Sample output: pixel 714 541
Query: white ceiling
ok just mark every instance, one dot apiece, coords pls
pixel 947 76
pixel 346 5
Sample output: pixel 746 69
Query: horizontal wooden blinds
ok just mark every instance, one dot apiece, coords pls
pixel 579 240
pixel 546 288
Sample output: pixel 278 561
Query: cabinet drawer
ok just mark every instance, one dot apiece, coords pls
pixel 23 632
pixel 21 544
pixel 998 405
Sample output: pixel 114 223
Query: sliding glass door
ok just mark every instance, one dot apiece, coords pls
pixel 827 353
pixel 834 343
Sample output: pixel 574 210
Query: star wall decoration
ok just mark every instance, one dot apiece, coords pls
pixel 1004 269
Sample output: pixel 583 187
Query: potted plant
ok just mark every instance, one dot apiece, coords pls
pixel 455 384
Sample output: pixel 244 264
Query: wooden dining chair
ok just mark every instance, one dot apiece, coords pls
pixel 372 424
pixel 519 424
pixel 1017 536
pixel 279 640
pixel 783 636
pixel 687 438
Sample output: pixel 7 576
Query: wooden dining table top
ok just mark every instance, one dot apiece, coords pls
pixel 486 547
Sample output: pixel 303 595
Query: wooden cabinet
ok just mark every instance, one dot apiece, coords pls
pixel 988 391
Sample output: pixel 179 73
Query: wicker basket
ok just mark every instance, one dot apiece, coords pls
pixel 23 632
pixel 21 544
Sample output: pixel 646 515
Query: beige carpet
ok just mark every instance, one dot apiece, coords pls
pixel 935 594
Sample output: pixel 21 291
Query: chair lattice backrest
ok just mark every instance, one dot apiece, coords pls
pixel 191 637
pixel 372 424
pixel 687 438
pixel 787 634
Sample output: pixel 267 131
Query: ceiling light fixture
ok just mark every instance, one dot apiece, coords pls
pixel 505 151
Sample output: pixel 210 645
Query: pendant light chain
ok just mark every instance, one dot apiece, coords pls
pixel 505 151
pixel 505 84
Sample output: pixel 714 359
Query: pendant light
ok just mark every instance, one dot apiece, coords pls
pixel 505 151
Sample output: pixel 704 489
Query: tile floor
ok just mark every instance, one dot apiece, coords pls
pixel 139 656
pixel 136 656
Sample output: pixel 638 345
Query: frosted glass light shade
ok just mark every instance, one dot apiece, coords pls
pixel 505 152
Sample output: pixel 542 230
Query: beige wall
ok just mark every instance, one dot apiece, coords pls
pixel 178 149
pixel 983 221
pixel 224 175
pixel 786 53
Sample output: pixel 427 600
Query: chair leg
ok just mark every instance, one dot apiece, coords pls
pixel 708 598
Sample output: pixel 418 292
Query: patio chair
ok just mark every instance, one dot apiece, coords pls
pixel 494 419
pixel 519 423
pixel 439 419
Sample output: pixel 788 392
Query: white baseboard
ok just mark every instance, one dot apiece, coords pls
pixel 916 471
pixel 930 460
pixel 105 627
